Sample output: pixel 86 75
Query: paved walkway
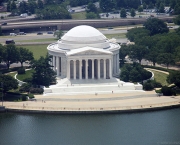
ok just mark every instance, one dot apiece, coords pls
pixel 92 103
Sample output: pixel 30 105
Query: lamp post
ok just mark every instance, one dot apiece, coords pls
pixel 2 92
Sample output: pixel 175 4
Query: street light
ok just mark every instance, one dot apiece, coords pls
pixel 2 92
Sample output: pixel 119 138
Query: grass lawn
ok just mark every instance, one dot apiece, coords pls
pixel 80 15
pixel 37 50
pixel 39 40
pixel 117 36
pixel 160 77
pixel 28 74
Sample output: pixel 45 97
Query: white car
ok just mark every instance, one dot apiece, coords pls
pixel 13 34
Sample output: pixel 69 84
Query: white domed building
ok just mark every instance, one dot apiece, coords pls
pixel 85 53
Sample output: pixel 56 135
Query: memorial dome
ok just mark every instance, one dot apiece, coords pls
pixel 83 34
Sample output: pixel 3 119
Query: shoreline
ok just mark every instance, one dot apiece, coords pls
pixel 92 104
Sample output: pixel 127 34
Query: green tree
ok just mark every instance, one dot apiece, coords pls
pixel 174 77
pixel 138 52
pixel 166 58
pixel 107 5
pixel 43 73
pixel 31 7
pixel 133 13
pixel 40 4
pixel 9 6
pixel 24 55
pixel 91 8
pixel 10 54
pixel 23 7
pixel 58 34
pixel 161 8
pixel 123 13
pixel 177 9
pixel 13 5
pixel 8 82
pixel 140 9
pixel 156 26
pixel 177 20
pixel 91 15
pixel 137 33
pixel 123 52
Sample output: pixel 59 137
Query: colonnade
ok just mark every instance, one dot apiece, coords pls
pixel 89 69
pixel 56 62
pixel 115 63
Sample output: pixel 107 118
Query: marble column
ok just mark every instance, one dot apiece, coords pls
pixel 57 65
pixel 110 69
pixel 104 68
pixel 80 69
pixel 74 69
pixel 86 69
pixel 54 67
pixel 92 68
pixel 99 68
pixel 68 69
pixel 117 62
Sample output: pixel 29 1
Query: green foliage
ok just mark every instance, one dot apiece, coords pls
pixel 140 9
pixel 123 13
pixel 31 96
pixel 21 70
pixel 91 8
pixel 8 83
pixel 25 87
pixel 138 52
pixel 151 84
pixel 174 77
pixel 91 15
pixel 137 33
pixel 123 52
pixel 133 13
pixel 177 20
pixel 167 91
pixel 36 90
pixel 134 73
pixel 58 34
pixel 107 5
pixel 156 26
pixel 12 96
pixel 53 12
pixel 43 74
pixel 9 51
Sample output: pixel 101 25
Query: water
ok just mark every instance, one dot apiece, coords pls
pixel 147 128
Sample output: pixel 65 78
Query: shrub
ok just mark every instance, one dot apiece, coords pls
pixel 36 90
pixel 25 87
pixel 151 84
pixel 21 70
pixel 24 98
pixel 148 86
pixel 167 91
pixel 31 96
pixel 28 80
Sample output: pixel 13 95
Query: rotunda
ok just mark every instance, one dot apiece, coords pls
pixel 85 53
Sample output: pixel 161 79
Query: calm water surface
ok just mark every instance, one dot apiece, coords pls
pixel 148 128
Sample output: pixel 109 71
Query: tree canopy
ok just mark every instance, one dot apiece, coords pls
pixel 156 26
pixel 43 73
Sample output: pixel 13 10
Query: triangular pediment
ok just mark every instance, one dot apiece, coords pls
pixel 88 51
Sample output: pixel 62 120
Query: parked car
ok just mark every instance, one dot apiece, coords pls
pixel 4 23
pixel 50 32
pixel 12 34
pixel 39 33
pixel 10 41
pixel 21 33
